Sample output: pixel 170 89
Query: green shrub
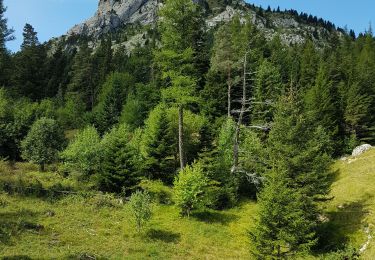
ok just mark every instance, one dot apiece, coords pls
pixel 345 254
pixel 3 201
pixel 158 192
pixel 43 142
pixel 140 209
pixel 189 189
pixel 84 152
pixel 106 200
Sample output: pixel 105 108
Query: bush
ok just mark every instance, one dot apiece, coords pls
pixel 158 192
pixel 345 254
pixel 140 209
pixel 84 152
pixel 101 200
pixel 189 189
pixel 43 142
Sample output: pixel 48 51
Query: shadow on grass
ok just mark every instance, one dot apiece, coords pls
pixel 345 221
pixel 84 256
pixel 16 257
pixel 163 235
pixel 34 188
pixel 13 224
pixel 334 176
pixel 215 217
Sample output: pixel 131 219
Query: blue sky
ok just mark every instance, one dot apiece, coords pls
pixel 52 18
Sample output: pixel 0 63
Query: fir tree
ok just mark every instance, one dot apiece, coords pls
pixel 282 229
pixel 299 149
pixel 267 90
pixel 82 76
pixel 158 146
pixel 308 65
pixel 298 177
pixel 30 37
pixel 321 105
pixel 356 109
pixel 176 58
pixel 6 34
pixel 118 168
pixel 111 100
pixel 29 66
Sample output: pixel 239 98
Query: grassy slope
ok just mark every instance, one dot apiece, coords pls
pixel 79 227
pixel 352 209
pixel 76 229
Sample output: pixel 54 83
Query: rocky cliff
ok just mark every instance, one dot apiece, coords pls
pixel 114 14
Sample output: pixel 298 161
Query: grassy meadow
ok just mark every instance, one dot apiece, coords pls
pixel 40 222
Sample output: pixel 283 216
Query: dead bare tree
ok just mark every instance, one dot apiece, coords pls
pixel 240 118
pixel 246 107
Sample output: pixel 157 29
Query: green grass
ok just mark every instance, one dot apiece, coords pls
pixel 74 226
pixel 77 228
pixel 82 225
pixel 352 210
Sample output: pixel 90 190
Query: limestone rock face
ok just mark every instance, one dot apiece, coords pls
pixel 361 149
pixel 111 14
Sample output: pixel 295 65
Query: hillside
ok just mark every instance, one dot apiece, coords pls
pixel 218 104
pixel 352 209
pixel 94 226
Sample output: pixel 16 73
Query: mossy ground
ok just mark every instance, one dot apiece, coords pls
pixel 77 226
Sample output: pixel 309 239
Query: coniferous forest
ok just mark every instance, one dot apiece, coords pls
pixel 222 129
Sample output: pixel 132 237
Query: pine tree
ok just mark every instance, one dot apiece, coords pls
pixel 224 59
pixel 308 65
pixel 111 100
pixel 158 146
pixel 6 35
pixel 298 176
pixel 57 69
pixel 299 149
pixel 282 229
pixel 29 70
pixel 118 168
pixel 176 59
pixel 364 76
pixel 30 37
pixel 356 109
pixel 267 90
pixel 82 76
pixel 102 61
pixel 321 105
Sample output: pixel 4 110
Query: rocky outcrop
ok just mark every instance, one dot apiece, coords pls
pixel 361 149
pixel 112 14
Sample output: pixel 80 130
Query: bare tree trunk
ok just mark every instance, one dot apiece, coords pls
pixel 181 136
pixel 229 92
pixel 42 167
pixel 240 118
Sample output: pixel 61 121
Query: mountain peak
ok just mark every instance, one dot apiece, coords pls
pixel 293 28
pixel 111 14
